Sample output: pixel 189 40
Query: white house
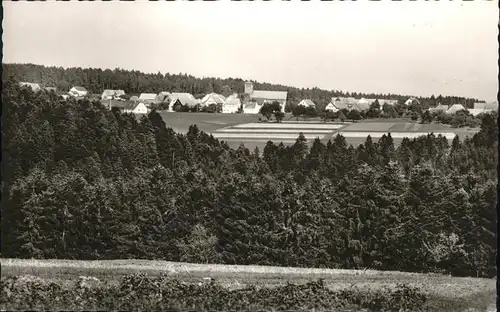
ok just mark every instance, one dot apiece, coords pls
pixel 126 107
pixel 232 104
pixel 331 107
pixel 307 103
pixel 212 98
pixel 78 91
pixel 251 108
pixel 476 112
pixel 486 106
pixel 137 108
pixel 261 97
pixel 455 108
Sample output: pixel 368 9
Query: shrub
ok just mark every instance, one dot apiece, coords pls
pixel 140 292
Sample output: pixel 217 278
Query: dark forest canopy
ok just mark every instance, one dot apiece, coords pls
pixel 136 82
pixel 84 182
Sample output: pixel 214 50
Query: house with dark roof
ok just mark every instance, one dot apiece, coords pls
pixel 184 99
pixel 163 97
pixel 261 97
pixel 78 91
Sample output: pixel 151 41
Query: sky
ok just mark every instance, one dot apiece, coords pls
pixel 413 48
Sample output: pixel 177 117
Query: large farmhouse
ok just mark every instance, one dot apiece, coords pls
pixel 147 98
pixel 184 99
pixel 261 97
pixel 212 99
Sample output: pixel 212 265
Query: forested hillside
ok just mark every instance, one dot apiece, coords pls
pixel 83 182
pixel 135 82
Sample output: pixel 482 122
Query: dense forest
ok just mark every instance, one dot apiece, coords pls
pixel 84 182
pixel 135 82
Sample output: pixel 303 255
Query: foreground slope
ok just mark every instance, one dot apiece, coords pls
pixel 444 293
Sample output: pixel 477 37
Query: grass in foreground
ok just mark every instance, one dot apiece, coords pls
pixel 443 293
pixel 140 292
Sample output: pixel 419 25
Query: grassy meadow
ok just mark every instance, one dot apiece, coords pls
pixel 445 293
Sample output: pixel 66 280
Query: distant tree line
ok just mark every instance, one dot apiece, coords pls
pixel 135 82
pixel 84 182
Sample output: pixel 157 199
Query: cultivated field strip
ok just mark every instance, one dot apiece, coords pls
pixel 289 126
pixel 269 136
pixel 258 134
pixel 276 132
pixel 395 135
pixel 262 141
pixel 272 131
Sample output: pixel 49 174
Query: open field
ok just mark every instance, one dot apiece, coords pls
pixel 258 134
pixel 207 122
pixel 291 125
pixel 445 293
pixel 236 129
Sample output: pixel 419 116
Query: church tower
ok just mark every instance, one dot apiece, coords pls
pixel 248 88
pixel 248 92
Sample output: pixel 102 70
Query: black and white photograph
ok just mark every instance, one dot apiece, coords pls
pixel 249 156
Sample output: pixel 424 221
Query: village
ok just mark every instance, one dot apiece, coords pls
pixel 250 102
pixel 250 156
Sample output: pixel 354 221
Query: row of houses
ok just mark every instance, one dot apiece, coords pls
pixel 74 91
pixel 479 108
pixel 36 87
pixel 363 104
pixel 250 103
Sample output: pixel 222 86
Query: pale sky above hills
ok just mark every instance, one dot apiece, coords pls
pixel 417 48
